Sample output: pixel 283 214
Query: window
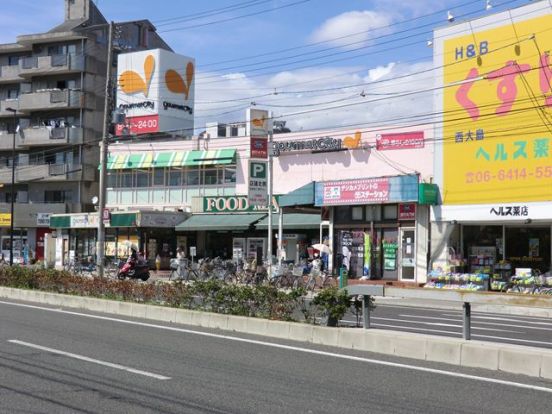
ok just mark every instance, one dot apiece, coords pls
pixel 159 176
pixel 373 213
pixel 13 60
pixel 356 213
pixel 58 196
pixel 390 212
pixel 175 177
pixel 229 175
pixel 143 178
pixel 126 179
pixel 13 93
pixel 112 180
pixel 192 176
pixel 211 177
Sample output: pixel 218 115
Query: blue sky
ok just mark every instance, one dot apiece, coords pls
pixel 393 43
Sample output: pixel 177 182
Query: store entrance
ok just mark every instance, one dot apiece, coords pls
pixel 407 259
pixel 528 247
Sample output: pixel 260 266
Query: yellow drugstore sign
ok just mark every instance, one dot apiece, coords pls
pixel 5 219
pixel 497 121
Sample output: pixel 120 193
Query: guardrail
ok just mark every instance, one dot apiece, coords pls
pixel 464 297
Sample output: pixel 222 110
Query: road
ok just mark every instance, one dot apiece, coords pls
pixel 64 361
pixel 518 330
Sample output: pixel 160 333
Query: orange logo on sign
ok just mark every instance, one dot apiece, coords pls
pixel 132 82
pixel 352 143
pixel 258 122
pixel 176 84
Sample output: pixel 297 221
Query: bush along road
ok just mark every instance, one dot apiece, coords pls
pixel 269 302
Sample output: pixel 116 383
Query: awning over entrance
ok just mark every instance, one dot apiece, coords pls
pixel 200 222
pixel 171 159
pixel 292 221
pixel 299 197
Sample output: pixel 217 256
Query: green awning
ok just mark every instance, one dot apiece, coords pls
pixel 200 222
pixel 123 220
pixel 292 221
pixel 299 197
pixel 60 222
pixel 171 159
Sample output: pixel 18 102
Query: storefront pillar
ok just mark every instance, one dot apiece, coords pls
pixel 422 242
pixel 331 241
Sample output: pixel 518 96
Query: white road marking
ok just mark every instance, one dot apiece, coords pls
pixel 501 318
pixel 448 325
pixel 478 322
pixel 87 359
pixel 294 348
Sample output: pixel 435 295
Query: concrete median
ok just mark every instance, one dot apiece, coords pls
pixel 534 362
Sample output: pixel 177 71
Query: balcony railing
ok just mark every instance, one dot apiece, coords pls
pixel 46 136
pixel 48 99
pixel 10 73
pixel 49 173
pixel 8 103
pixel 56 64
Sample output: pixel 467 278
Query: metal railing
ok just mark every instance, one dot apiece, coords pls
pixel 466 298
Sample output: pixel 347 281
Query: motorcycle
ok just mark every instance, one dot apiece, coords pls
pixel 133 269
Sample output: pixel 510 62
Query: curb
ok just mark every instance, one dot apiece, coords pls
pixel 516 359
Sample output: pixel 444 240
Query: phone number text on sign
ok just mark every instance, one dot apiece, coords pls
pixel 356 191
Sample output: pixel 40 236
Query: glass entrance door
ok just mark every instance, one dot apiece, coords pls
pixel 407 259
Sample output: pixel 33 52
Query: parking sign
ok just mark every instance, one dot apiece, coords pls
pixel 258 183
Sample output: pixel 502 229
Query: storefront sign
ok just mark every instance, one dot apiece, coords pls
pixel 43 219
pixel 163 220
pixel 492 105
pixel 155 91
pixel 258 123
pixel 259 147
pixel 493 212
pixel 319 144
pixel 407 211
pixel 389 256
pixel 363 191
pixel 428 194
pixel 5 219
pixel 79 220
pixel 233 204
pixel 106 215
pixel 401 140
pixel 400 188
pixel 258 183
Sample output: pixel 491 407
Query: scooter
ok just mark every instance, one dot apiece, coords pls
pixel 133 269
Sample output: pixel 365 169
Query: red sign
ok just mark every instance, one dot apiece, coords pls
pixel 407 211
pixel 259 147
pixel 402 140
pixel 138 125
pixel 106 215
pixel 363 191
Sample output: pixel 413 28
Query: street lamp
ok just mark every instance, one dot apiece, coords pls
pixel 14 111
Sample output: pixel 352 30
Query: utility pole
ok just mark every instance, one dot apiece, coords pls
pixel 103 154
pixel 12 197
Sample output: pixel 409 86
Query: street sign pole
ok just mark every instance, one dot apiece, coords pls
pixel 269 179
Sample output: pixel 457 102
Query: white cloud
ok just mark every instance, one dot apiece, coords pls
pixel 384 101
pixel 334 29
pixel 380 71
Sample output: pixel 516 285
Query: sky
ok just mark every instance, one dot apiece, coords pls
pixel 314 63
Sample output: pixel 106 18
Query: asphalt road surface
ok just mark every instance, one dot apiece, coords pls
pixel 63 361
pixel 517 330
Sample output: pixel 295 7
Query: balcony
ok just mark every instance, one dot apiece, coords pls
pixel 6 141
pixel 26 214
pixel 10 74
pixel 49 173
pixel 51 65
pixel 8 103
pixel 49 99
pixel 47 136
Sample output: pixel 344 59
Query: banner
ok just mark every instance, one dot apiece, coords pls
pixel 367 254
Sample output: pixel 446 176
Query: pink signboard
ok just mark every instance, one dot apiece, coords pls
pixel 402 140
pixel 362 191
pixel 138 125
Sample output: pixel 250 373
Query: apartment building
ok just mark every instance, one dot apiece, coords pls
pixel 52 88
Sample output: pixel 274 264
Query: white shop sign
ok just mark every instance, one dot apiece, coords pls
pixel 499 212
